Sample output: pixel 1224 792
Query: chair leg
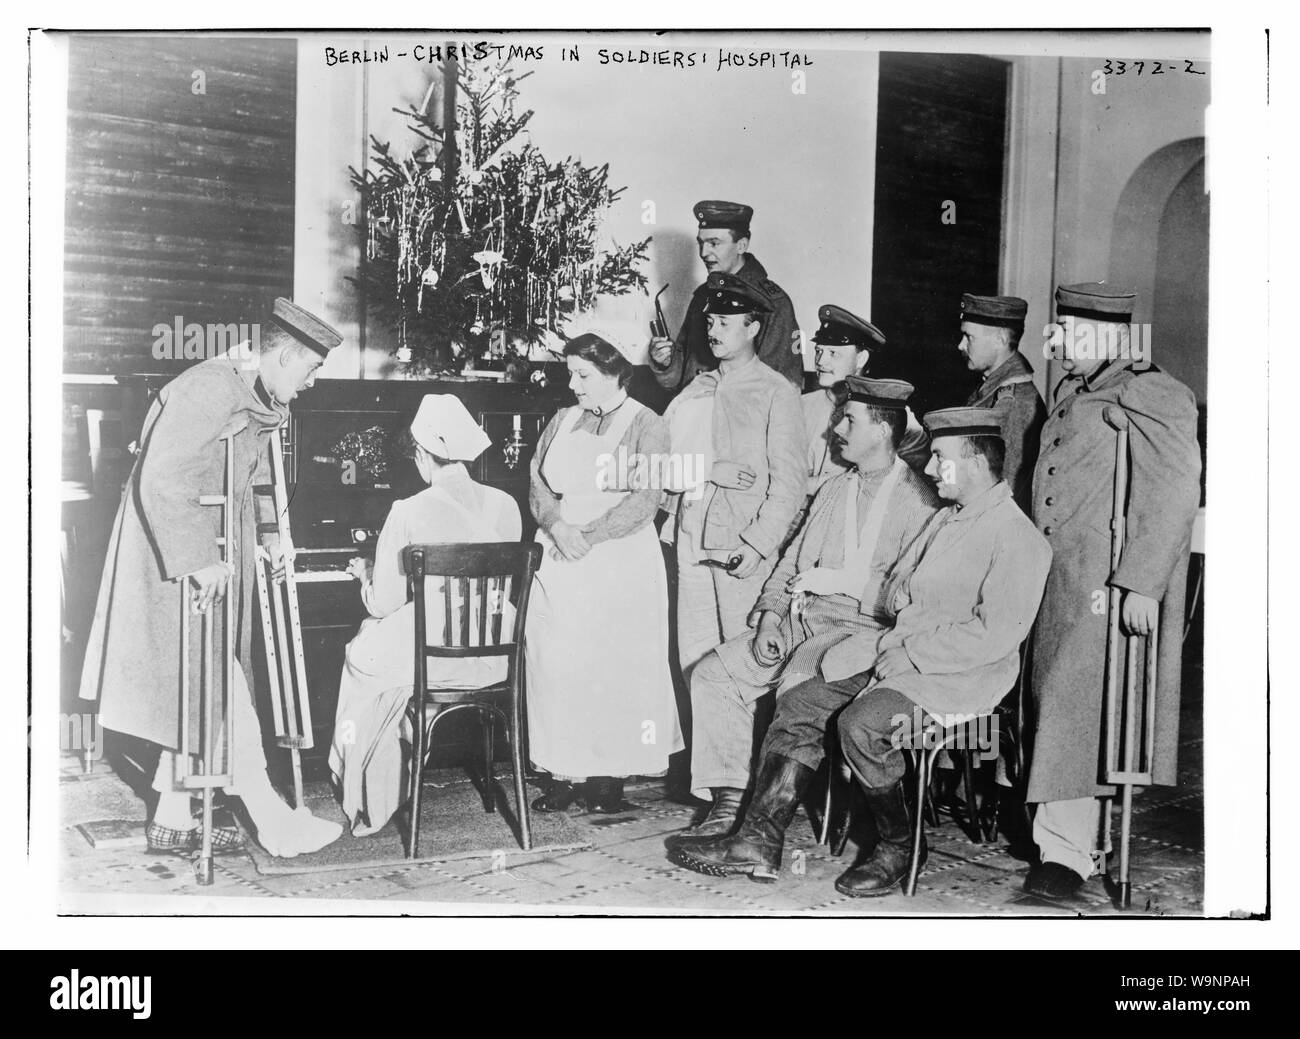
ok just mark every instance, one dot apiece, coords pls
pixel 923 761
pixel 489 780
pixel 930 801
pixel 521 793
pixel 968 782
pixel 825 836
pixel 417 772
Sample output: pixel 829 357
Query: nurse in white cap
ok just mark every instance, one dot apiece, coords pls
pixel 375 687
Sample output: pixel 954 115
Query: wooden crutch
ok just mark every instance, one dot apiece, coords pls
pixel 208 776
pixel 282 626
pixel 1137 722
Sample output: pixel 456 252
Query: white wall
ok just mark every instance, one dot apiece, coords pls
pixel 805 162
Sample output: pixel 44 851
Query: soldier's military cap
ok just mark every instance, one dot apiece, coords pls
pixel 1003 311
pixel 880 393
pixel 839 327
pixel 731 215
pixel 304 326
pixel 1095 300
pixel 727 294
pixel 962 422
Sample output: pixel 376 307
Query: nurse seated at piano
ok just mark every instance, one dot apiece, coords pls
pixel 366 756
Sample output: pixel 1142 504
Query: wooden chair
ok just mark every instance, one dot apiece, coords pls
pixel 922 760
pixel 485 577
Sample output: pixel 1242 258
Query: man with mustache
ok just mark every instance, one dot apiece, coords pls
pixel 818 619
pixel 740 425
pixel 723 243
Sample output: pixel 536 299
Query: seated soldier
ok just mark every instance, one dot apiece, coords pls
pixel 963 597
pixel 822 599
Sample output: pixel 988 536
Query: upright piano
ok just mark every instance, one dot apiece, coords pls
pixel 344 475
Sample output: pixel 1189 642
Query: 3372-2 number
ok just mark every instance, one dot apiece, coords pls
pixel 1116 67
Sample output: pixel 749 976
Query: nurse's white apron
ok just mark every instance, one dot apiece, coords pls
pixel 600 697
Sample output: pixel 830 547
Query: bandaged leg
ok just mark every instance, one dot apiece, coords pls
pixel 1066 833
pixel 173 808
pixel 281 830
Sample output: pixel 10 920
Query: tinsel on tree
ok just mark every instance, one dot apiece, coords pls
pixel 501 252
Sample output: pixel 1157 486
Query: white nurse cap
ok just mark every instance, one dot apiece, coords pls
pixel 443 427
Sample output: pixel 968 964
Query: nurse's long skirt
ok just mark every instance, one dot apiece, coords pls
pixel 600 696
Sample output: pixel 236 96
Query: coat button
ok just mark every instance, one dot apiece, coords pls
pixel 1051 470
pixel 1047 530
pixel 1049 501
pixel 1056 442
pixel 1061 413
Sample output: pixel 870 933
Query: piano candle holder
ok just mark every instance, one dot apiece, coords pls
pixel 513 448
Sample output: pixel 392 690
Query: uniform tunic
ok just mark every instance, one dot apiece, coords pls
pixel 964 598
pixel 376 684
pixel 1073 487
pixel 162 533
pixel 1009 388
pixel 756 422
pixel 778 346
pixel 600 695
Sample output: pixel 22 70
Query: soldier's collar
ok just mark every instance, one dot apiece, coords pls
pixel 999 492
pixel 1013 365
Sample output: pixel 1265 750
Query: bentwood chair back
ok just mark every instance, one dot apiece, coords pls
pixel 475 583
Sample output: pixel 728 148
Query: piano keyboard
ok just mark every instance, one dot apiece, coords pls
pixel 317 576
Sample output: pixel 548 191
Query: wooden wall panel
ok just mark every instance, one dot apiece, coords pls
pixel 179 204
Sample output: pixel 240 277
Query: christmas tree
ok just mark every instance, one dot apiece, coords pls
pixel 485 246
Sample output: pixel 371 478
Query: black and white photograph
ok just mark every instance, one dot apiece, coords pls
pixel 598 473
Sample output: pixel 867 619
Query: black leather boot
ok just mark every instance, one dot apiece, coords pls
pixel 756 847
pixel 556 799
pixel 721 821
pixel 605 795
pixel 891 858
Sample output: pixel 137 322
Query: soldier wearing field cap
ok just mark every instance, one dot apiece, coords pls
pixel 740 426
pixel 991 327
pixel 163 540
pixel 723 242
pixel 1072 506
pixel 818 621
pixel 844 345
pixel 963 599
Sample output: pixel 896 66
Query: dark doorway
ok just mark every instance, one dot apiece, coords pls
pixel 940 143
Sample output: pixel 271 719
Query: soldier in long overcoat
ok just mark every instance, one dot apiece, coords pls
pixel 1072 503
pixel 164 539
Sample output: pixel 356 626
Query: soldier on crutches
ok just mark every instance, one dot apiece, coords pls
pixel 1085 741
pixel 205 442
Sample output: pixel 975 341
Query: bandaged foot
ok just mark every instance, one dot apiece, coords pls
pixel 173 811
pixel 281 830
